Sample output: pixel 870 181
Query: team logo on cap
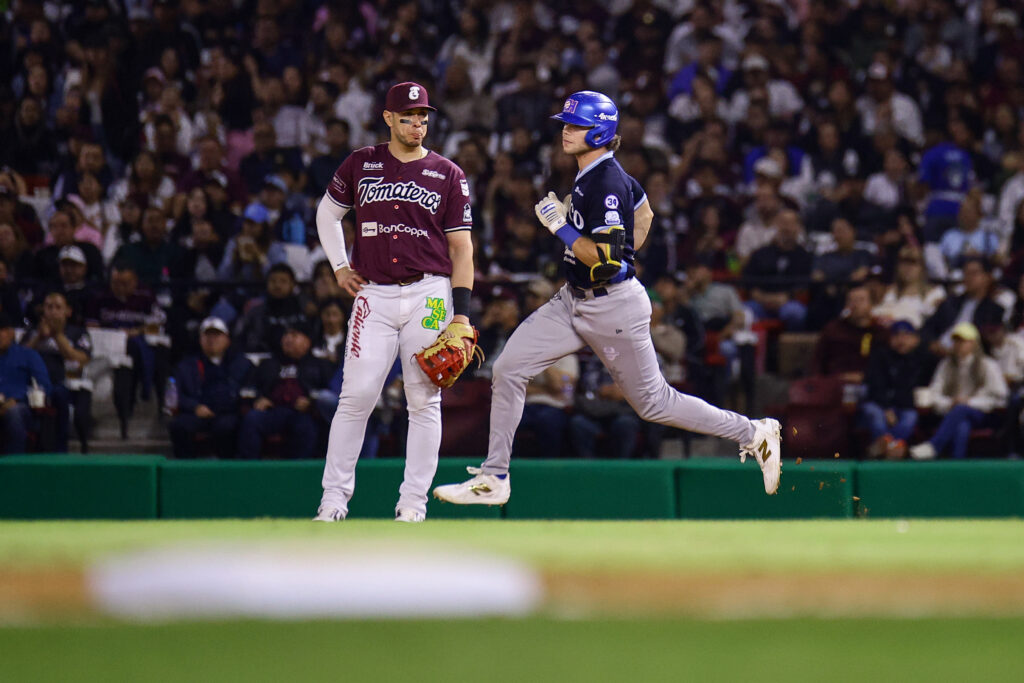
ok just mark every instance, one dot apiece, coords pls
pixel 570 106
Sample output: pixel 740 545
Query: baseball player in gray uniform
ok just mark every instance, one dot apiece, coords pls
pixel 411 275
pixel 601 305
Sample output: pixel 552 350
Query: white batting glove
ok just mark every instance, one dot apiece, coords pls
pixel 551 212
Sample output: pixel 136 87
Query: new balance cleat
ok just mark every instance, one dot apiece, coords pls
pixel 408 515
pixel 329 514
pixel 766 449
pixel 481 489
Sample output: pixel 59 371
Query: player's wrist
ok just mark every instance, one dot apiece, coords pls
pixel 567 233
pixel 460 302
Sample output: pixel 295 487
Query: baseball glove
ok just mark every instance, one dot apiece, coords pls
pixel 450 354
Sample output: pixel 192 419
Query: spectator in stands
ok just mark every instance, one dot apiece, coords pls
pixel 722 314
pixel 322 167
pixel 62 232
pixel 969 237
pixel 19 368
pixel 330 339
pixel 975 305
pixel 285 386
pixel 16 212
pixel 836 270
pixel 759 224
pixel 846 262
pixel 90 159
pixel 783 100
pixel 97 212
pixel 84 230
pixel 601 410
pixel 267 158
pixel 910 297
pixel 777 272
pixel 946 175
pixel 885 107
pixel 202 250
pixel 498 322
pixel 522 251
pixel 9 302
pixel 259 330
pixel 15 252
pixel 209 384
pixel 250 254
pixel 211 165
pixel 894 371
pixel 155 258
pixel 65 349
pixel 549 397
pixel 285 224
pixel 967 389
pixel 145 181
pixel 128 307
pixel 846 343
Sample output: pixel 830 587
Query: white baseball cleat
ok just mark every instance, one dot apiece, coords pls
pixel 482 489
pixel 329 514
pixel 766 448
pixel 408 515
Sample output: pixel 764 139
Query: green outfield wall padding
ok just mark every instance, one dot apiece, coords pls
pixel 200 489
pixel 558 489
pixel 146 487
pixel 941 489
pixel 712 488
pixel 203 489
pixel 79 486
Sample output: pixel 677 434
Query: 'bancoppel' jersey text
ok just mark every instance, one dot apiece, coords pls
pixel 402 212
pixel 602 196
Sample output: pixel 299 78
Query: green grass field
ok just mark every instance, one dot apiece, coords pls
pixel 555 644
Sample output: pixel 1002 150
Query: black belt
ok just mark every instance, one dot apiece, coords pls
pixel 411 280
pixel 581 293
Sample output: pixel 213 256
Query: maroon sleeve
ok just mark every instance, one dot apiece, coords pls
pixel 340 187
pixel 458 212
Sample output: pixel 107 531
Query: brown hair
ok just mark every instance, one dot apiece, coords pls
pixel 614 143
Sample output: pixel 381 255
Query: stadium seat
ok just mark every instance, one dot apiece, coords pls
pixel 815 424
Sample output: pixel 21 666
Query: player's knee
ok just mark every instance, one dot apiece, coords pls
pixel 422 397
pixel 356 400
pixel 506 370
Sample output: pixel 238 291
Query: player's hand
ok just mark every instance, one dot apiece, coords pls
pixel 203 412
pixel 302 404
pixel 551 212
pixel 349 280
pixel 263 403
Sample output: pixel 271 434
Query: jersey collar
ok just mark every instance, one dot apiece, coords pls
pixel 592 164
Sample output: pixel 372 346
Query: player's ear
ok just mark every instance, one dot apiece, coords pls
pixel 387 118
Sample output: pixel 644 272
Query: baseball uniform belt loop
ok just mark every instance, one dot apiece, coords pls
pixel 581 292
pixel 411 280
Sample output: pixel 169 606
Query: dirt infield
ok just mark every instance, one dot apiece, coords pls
pixel 767 595
pixel 58 594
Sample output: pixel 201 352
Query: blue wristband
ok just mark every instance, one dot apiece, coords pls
pixel 568 234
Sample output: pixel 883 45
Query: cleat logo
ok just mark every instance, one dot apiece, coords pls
pixel 477 489
pixel 763 450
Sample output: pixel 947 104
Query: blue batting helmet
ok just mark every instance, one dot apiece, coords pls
pixel 592 110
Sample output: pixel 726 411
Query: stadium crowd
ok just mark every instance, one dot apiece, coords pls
pixel 846 175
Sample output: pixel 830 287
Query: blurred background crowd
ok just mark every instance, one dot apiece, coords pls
pixel 838 189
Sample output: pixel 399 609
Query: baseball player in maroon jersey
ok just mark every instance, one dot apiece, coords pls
pixel 411 273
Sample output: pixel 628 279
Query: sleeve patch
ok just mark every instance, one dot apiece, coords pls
pixel 611 201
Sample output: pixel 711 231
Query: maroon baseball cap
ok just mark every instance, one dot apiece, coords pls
pixel 406 96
